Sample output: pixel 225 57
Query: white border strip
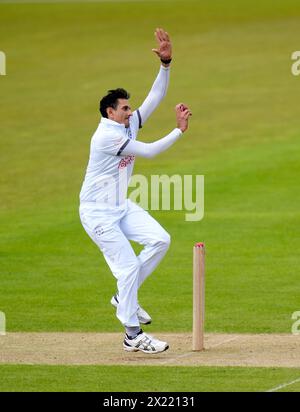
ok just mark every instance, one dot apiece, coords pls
pixel 77 1
pixel 284 385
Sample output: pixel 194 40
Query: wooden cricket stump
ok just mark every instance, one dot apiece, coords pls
pixel 198 296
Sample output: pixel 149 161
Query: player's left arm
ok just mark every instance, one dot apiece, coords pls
pixel 132 147
pixel 160 85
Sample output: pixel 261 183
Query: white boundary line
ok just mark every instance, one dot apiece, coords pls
pixel 284 385
pixel 194 353
pixel 225 341
pixel 183 355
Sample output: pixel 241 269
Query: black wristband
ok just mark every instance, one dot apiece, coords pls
pixel 166 61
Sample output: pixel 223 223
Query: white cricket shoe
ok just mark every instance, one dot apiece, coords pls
pixel 143 316
pixel 144 343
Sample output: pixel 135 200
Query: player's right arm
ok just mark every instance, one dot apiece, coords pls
pixel 133 147
pixel 160 85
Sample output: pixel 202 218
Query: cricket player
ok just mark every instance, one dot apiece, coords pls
pixel 112 220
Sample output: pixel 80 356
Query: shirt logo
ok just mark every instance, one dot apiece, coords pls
pixel 126 161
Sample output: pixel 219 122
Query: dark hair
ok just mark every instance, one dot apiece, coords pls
pixel 111 100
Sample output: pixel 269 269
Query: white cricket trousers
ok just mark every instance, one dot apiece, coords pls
pixel 111 229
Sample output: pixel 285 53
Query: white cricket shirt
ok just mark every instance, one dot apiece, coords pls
pixel 113 150
pixel 108 172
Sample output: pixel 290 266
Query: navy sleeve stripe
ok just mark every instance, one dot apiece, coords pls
pixel 140 119
pixel 123 147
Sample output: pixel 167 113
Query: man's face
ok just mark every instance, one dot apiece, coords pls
pixel 122 113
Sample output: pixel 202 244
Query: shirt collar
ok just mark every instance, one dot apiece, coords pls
pixel 110 122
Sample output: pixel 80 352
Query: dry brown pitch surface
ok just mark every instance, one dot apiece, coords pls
pixel 266 350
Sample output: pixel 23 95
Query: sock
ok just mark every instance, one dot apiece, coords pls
pixel 132 331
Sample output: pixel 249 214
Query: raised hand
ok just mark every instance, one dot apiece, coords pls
pixel 164 48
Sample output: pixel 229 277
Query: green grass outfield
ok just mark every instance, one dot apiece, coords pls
pixel 140 379
pixel 232 64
